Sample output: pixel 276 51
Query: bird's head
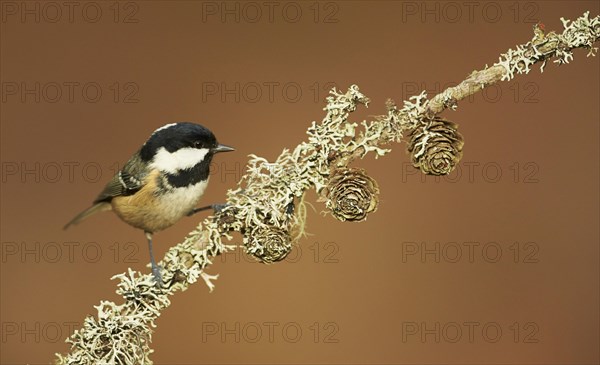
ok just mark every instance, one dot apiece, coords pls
pixel 178 147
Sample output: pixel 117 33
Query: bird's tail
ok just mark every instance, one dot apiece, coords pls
pixel 96 208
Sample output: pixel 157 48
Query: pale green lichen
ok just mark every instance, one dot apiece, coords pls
pixel 267 206
pixel 580 33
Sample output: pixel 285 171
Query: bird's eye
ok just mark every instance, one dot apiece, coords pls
pixel 197 144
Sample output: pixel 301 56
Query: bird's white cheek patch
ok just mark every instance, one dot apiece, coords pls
pixel 181 159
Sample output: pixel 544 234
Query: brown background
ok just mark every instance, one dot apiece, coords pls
pixel 540 132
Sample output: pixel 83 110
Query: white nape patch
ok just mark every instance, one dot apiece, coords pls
pixel 164 127
pixel 183 158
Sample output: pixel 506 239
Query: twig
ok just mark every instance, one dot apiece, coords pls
pixel 268 209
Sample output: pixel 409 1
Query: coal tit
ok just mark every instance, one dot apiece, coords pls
pixel 162 182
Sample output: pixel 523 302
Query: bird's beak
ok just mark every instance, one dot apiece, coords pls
pixel 223 148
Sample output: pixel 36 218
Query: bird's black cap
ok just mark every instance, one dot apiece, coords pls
pixel 176 136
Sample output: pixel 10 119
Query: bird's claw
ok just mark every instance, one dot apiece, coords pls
pixel 157 275
pixel 217 208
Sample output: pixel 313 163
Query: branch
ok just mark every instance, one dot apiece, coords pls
pixel 583 32
pixel 268 209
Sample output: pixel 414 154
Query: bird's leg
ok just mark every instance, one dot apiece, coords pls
pixel 155 267
pixel 216 207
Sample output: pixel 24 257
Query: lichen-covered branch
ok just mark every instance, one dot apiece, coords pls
pixel 582 32
pixel 267 206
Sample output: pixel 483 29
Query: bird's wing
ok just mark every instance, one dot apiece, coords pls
pixel 126 182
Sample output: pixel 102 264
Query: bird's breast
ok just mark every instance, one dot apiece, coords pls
pixel 177 202
pixel 153 209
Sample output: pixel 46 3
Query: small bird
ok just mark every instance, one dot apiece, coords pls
pixel 162 182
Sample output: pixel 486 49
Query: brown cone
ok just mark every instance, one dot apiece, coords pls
pixel 351 194
pixel 268 244
pixel 435 146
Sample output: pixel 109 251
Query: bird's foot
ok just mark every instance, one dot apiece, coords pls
pixel 157 275
pixel 215 207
